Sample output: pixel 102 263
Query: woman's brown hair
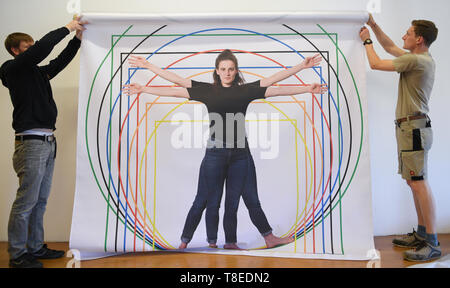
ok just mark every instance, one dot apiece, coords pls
pixel 228 55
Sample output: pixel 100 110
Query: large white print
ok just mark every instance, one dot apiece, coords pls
pixel 139 155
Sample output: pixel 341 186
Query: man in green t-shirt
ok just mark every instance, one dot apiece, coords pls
pixel 413 126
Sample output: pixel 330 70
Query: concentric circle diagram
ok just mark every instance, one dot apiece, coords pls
pixel 133 169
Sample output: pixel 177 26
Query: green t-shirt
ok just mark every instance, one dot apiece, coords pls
pixel 415 85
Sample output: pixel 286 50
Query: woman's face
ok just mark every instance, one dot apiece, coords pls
pixel 227 72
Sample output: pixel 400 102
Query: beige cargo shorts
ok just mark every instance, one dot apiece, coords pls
pixel 414 140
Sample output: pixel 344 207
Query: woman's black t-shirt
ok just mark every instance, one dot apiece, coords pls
pixel 227 107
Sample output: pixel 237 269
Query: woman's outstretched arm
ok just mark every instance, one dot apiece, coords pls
pixel 287 91
pixel 141 62
pixel 309 62
pixel 135 88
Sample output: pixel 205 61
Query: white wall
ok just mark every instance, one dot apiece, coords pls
pixel 393 205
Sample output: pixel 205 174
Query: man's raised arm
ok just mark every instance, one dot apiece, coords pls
pixel 386 42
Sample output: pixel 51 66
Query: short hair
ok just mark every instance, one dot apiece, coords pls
pixel 13 41
pixel 426 29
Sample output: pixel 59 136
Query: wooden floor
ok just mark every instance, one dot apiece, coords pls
pixel 391 257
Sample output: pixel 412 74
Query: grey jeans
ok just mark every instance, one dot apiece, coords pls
pixel 33 162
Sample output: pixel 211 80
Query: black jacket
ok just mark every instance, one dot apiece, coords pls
pixel 29 84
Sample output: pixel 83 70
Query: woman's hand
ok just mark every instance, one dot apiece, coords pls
pixel 131 89
pixel 316 88
pixel 310 62
pixel 138 62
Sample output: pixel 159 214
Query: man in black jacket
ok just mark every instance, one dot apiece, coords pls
pixel 34 119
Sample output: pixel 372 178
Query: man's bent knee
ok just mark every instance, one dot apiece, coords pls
pixel 417 185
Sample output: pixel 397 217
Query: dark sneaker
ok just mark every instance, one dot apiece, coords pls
pixel 424 252
pixel 46 253
pixel 25 261
pixel 411 240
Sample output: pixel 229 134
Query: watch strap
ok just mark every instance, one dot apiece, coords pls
pixel 368 41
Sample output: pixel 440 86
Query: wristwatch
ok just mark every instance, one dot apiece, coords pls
pixel 368 41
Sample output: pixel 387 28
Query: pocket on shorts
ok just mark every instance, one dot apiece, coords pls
pixel 426 136
pixel 413 163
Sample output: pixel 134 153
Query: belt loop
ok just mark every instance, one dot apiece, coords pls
pixel 428 124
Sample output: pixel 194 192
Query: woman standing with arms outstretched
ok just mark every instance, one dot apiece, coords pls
pixel 227 158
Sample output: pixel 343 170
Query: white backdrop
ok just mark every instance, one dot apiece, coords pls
pixel 315 182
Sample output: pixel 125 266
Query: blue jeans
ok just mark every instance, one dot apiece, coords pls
pixel 33 162
pixel 235 167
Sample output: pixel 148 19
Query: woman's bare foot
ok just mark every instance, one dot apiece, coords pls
pixel 182 246
pixel 232 246
pixel 273 241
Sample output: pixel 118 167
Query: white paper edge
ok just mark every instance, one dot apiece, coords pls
pixel 281 17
